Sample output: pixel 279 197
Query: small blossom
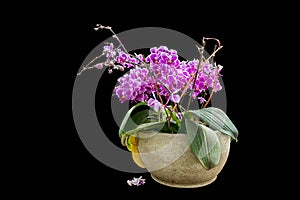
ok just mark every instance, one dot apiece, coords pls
pixel 109 51
pixel 135 86
pixel 99 65
pixel 201 99
pixel 126 60
pixel 155 104
pixel 175 98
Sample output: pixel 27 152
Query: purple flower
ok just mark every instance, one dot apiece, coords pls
pixel 122 57
pixel 155 68
pixel 155 104
pixel 152 58
pixel 135 86
pixel 108 48
pixel 163 49
pixel 175 98
pixel 165 58
pixel 163 55
pixel 109 51
pixel 174 52
pixel 164 74
pixel 201 99
pixel 140 57
pixel 218 87
pixel 168 76
pixel 153 50
pixel 127 60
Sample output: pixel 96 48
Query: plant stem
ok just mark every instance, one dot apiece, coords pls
pixel 212 58
pixel 213 54
pixel 201 50
pixel 99 26
pixel 115 36
pixel 86 66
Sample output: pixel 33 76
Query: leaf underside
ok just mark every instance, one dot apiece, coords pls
pixel 204 142
pixel 215 119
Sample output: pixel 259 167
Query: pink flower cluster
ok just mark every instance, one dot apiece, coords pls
pixel 161 72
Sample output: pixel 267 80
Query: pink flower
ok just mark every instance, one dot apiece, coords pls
pixel 155 104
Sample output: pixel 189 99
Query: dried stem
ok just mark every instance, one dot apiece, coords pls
pixel 212 58
pixel 218 41
pixel 99 26
pixel 214 53
pixel 86 66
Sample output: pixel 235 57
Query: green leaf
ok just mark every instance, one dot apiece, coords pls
pixel 214 118
pixel 137 115
pixel 153 116
pixel 161 126
pixel 142 127
pixel 204 142
pixel 152 126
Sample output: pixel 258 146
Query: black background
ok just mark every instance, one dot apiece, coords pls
pixel 72 170
pixel 47 44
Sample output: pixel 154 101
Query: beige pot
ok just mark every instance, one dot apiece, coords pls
pixel 171 162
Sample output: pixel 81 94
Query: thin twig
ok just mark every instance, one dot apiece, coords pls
pixel 218 41
pixel 213 54
pixel 212 58
pixel 99 26
pixel 86 66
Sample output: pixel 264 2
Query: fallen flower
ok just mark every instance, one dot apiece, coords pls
pixel 136 181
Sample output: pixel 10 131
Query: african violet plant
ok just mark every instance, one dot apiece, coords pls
pixel 157 84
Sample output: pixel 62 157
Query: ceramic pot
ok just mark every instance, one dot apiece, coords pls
pixel 171 161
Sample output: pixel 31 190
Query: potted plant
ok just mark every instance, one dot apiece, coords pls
pixel 180 147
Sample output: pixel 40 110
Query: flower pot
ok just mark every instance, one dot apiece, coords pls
pixel 171 161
